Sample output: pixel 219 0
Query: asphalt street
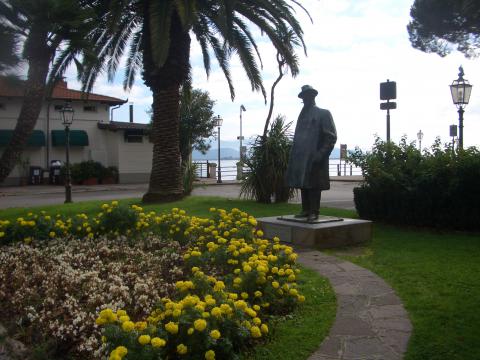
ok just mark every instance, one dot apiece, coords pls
pixel 339 196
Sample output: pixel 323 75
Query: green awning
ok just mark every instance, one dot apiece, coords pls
pixel 36 139
pixel 77 138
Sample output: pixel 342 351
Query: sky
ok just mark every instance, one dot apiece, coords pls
pixel 352 46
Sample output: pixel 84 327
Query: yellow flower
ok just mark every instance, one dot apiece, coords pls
pixel 255 332
pixel 2 234
pixel 215 334
pixel 140 325
pixel 216 311
pixel 200 324
pixel 190 331
pixel 264 328
pixel 172 328
pixel 301 298
pixel 144 339
pixel 158 342
pixel 51 234
pixel 182 349
pixel 275 284
pixel 259 233
pixel 128 326
pixel 210 355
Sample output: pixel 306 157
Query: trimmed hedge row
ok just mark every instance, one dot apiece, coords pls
pixel 437 188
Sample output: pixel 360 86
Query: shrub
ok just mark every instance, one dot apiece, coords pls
pixel 235 279
pixel 267 163
pixel 436 188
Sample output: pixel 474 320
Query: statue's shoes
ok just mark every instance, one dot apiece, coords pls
pixel 301 215
pixel 312 217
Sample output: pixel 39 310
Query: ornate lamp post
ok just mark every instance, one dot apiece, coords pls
pixel 67 119
pixel 218 122
pixel 461 91
pixel 420 137
pixel 242 108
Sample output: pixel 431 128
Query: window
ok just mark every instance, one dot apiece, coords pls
pixel 133 136
pixel 90 108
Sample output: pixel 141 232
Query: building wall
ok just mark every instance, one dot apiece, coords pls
pixel 135 161
pixel 108 147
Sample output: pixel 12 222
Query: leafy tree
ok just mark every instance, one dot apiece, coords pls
pixel 41 27
pixel 196 122
pixel 441 25
pixel 158 38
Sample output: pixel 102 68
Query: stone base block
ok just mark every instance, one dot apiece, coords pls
pixel 322 235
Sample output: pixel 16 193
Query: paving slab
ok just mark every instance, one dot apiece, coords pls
pixel 371 322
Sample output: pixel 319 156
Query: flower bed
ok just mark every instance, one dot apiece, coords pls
pixel 198 288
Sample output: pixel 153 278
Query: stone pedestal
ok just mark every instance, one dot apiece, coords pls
pixel 326 232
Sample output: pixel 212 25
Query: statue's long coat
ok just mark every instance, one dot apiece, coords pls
pixel 315 137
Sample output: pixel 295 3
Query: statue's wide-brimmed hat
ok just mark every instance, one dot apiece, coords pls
pixel 307 89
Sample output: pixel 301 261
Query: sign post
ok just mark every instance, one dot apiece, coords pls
pixel 388 91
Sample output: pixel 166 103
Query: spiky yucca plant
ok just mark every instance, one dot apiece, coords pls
pixel 267 163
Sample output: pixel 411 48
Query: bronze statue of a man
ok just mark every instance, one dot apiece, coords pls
pixel 315 137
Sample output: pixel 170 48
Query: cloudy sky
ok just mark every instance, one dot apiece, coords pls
pixel 352 45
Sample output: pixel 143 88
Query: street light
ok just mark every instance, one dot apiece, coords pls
pixel 67 119
pixel 242 108
pixel 461 91
pixel 420 137
pixel 218 122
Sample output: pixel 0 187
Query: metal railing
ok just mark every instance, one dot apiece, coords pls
pixel 229 172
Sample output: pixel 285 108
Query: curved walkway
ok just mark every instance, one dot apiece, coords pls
pixel 371 322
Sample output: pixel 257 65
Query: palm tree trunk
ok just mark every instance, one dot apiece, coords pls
pixel 166 176
pixel 166 183
pixel 35 87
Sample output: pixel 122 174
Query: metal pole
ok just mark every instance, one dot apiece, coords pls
pixel 219 180
pixel 241 157
pixel 460 130
pixel 388 124
pixel 68 182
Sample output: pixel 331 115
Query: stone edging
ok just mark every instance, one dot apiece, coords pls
pixel 371 322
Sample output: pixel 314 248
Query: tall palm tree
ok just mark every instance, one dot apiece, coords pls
pixel 38 28
pixel 157 34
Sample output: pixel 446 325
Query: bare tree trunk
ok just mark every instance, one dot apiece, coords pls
pixel 35 86
pixel 272 94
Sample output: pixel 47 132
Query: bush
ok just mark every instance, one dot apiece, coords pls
pixel 267 163
pixel 90 169
pixel 235 279
pixel 436 188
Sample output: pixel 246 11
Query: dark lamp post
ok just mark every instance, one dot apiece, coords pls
pixel 242 108
pixel 218 122
pixel 67 120
pixel 461 91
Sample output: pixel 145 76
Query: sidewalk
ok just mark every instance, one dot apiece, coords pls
pixel 58 189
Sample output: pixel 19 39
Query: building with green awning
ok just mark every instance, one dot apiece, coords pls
pixel 77 138
pixel 37 139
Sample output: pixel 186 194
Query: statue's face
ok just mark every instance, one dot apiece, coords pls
pixel 309 98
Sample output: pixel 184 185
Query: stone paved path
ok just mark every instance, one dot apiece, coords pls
pixel 371 322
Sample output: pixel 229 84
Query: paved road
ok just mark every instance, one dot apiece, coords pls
pixel 340 195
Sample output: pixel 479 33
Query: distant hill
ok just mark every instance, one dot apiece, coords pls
pixel 234 154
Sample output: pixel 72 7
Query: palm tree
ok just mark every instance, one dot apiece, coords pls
pixel 158 36
pixel 41 26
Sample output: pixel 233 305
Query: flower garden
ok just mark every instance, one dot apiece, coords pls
pixel 129 284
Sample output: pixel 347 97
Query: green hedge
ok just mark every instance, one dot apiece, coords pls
pixel 436 188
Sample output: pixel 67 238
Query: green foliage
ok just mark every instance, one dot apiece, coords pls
pixel 90 169
pixel 117 220
pixel 267 163
pixel 196 121
pixel 440 26
pixel 437 188
pixel 189 176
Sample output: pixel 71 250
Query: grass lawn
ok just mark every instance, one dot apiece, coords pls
pixel 437 276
